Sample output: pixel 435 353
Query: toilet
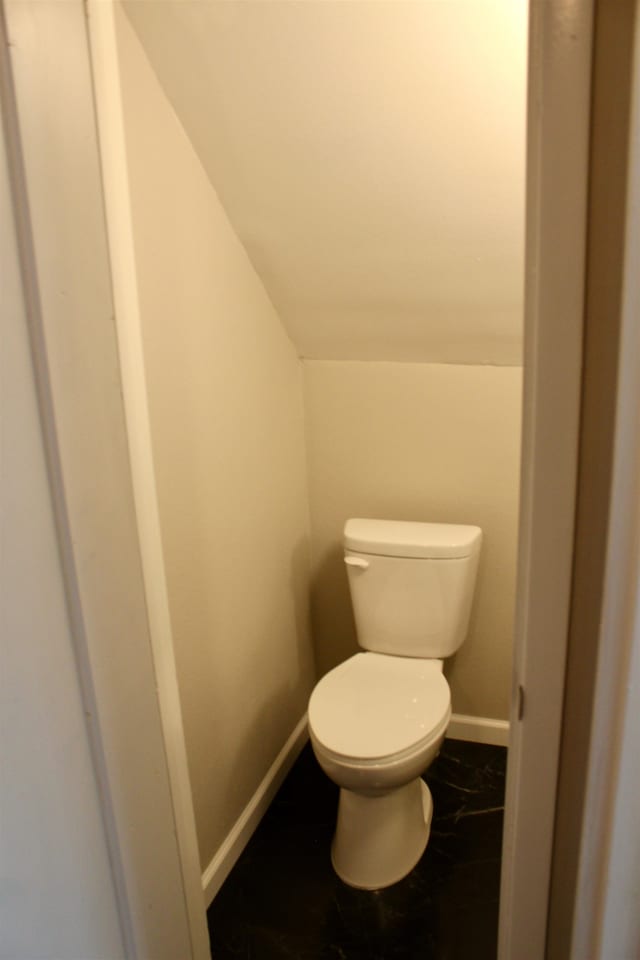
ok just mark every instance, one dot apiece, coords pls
pixel 378 720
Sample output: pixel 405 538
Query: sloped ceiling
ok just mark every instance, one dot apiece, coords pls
pixel 370 155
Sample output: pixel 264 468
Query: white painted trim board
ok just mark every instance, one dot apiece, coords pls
pixel 558 152
pixel 113 155
pixel 227 854
pixel 479 730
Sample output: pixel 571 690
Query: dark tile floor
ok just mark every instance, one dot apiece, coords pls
pixel 283 900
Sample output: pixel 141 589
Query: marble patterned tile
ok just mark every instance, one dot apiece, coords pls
pixel 282 899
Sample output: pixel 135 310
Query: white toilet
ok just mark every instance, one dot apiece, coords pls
pixel 378 720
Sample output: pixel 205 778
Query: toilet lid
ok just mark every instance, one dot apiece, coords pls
pixel 374 705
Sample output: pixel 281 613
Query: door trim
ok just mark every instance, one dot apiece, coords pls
pixel 560 43
pixel 58 197
pixel 116 198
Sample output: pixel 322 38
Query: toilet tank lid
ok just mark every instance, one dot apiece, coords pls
pixel 399 538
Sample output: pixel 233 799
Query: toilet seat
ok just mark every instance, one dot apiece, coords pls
pixel 375 708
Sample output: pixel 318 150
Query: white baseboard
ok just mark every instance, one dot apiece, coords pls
pixel 223 861
pixel 479 730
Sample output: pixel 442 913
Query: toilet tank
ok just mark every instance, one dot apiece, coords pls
pixel 411 584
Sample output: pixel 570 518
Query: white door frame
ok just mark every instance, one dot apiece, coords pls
pixel 83 415
pixel 115 181
pixel 560 44
pixel 130 703
pixel 596 876
pixel 570 875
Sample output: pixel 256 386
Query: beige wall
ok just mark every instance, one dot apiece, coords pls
pixel 378 244
pixel 418 442
pixel 370 156
pixel 390 439
pixel 225 395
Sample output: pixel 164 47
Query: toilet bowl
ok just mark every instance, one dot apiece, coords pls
pixel 378 720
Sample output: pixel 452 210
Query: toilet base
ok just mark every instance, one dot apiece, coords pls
pixel 379 839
